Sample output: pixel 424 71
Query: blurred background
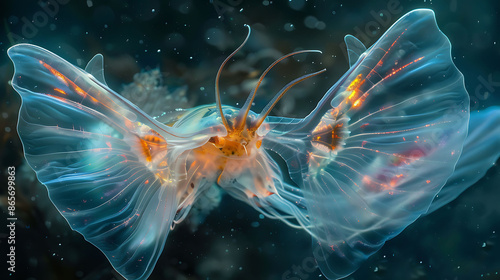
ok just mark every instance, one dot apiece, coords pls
pixel 177 47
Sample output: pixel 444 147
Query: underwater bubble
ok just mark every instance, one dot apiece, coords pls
pixel 216 37
pixel 265 3
pixel 175 40
pixel 5 115
pixel 310 22
pixel 296 4
pixel 255 224
pixel 183 6
pixel 261 216
pixel 320 25
pixel 289 26
pixel 90 3
pixel 7 129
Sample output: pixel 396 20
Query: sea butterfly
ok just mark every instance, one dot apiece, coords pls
pixel 387 143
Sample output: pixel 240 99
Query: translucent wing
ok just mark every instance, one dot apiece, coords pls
pixel 354 49
pixel 116 175
pixel 481 150
pixel 380 144
pixel 95 67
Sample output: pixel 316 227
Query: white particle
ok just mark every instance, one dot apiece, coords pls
pixel 289 27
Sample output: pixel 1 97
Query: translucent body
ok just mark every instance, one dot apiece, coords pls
pixel 367 162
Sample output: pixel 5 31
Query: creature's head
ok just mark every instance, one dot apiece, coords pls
pixel 239 141
pixel 242 125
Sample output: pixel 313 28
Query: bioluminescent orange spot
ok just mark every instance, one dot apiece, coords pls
pixel 60 91
pixel 394 72
pixel 356 83
pixel 328 135
pixel 258 144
